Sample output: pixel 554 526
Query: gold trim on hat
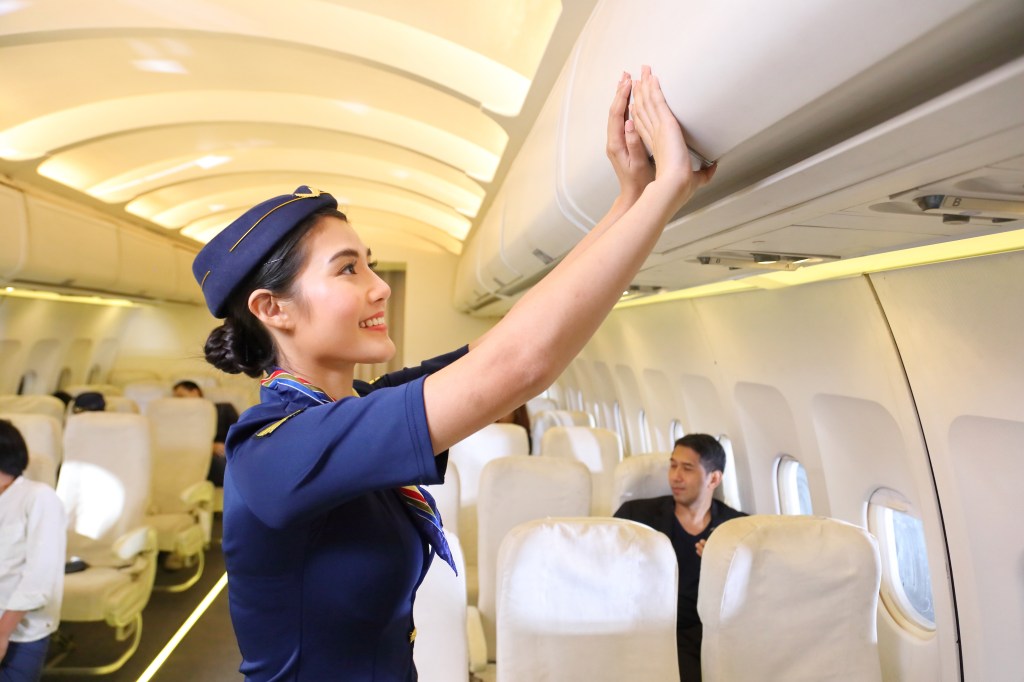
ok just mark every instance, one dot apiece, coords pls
pixel 312 194
pixel 204 278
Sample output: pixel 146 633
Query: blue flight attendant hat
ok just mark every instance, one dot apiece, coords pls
pixel 230 257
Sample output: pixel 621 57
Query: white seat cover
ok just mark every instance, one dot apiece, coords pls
pixel 441 653
pixel 42 434
pixel 599 449
pixel 789 598
pixel 542 421
pixel 514 490
pixel 471 455
pixel 142 392
pixel 640 477
pixel 33 404
pixel 104 485
pixel 535 406
pixel 587 599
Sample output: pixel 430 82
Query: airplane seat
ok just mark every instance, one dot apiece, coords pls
pixel 534 406
pixel 181 499
pixel 33 404
pixel 789 598
pixel 587 599
pixel 240 398
pixel 445 648
pixel 470 455
pixel 143 392
pixel 640 477
pixel 543 421
pixel 599 449
pixel 121 404
pixel 42 434
pixel 446 496
pixel 514 490
pixel 104 485
pixel 107 390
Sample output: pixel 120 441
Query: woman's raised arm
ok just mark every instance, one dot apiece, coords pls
pixel 530 347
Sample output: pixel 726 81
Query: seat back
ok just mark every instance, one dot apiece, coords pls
pixel 42 434
pixel 587 599
pixel 789 598
pixel 441 653
pixel 535 406
pixel 107 390
pixel 240 398
pixel 550 418
pixel 514 490
pixel 599 449
pixel 33 404
pixel 104 481
pixel 143 392
pixel 471 455
pixel 640 477
pixel 182 431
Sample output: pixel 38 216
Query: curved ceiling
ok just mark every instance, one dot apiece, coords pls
pixel 183 113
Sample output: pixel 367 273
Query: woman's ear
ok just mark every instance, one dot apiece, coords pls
pixel 268 309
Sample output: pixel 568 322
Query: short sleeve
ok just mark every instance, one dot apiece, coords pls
pixel 291 463
pixel 402 376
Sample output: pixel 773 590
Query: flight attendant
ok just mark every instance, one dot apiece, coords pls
pixel 326 534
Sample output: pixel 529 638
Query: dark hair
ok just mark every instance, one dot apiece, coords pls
pixel 13 451
pixel 190 386
pixel 712 454
pixel 242 344
pixel 64 396
pixel 90 401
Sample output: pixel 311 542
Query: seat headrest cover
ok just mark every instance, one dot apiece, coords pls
pixel 231 256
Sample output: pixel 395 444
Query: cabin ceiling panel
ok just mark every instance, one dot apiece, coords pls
pixel 117 102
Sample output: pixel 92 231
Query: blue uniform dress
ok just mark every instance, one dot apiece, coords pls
pixel 323 554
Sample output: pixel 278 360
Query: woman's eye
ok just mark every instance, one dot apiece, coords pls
pixel 349 269
pixel 372 265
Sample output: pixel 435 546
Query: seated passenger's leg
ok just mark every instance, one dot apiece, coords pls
pixel 688 643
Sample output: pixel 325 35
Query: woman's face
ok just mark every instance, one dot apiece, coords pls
pixel 340 300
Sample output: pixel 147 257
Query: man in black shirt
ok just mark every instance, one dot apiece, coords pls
pixel 687 517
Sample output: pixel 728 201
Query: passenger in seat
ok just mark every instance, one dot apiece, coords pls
pixel 687 517
pixel 226 416
pixel 326 533
pixel 89 402
pixel 32 544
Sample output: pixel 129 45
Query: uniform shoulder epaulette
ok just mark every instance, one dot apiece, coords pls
pixel 269 429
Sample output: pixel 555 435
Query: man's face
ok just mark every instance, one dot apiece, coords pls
pixel 183 392
pixel 687 477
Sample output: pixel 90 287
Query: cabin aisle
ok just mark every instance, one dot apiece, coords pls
pixel 207 653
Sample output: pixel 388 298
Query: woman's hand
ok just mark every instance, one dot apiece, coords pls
pixel 661 133
pixel 625 148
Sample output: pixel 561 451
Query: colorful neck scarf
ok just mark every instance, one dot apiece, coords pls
pixel 418 503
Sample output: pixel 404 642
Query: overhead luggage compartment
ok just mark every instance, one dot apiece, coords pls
pixel 13 232
pixel 774 93
pixel 69 249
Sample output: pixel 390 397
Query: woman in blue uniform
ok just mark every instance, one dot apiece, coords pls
pixel 326 534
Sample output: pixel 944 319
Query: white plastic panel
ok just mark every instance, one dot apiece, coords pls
pixel 13 231
pixel 468 289
pixel 67 248
pixel 147 265
pixel 493 271
pixel 727 69
pixel 186 287
pixel 536 228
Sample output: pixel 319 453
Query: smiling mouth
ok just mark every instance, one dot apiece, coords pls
pixel 377 321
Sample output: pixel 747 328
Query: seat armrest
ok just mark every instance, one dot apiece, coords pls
pixel 135 542
pixel 197 493
pixel 477 641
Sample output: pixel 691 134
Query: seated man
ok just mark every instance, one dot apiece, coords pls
pixel 687 517
pixel 88 402
pixel 226 416
pixel 32 542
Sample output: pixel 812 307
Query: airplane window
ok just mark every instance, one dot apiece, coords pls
pixel 619 427
pixel 94 375
pixel 675 431
pixel 794 490
pixel 26 382
pixel 906 580
pixel 64 379
pixel 645 435
pixel 730 488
